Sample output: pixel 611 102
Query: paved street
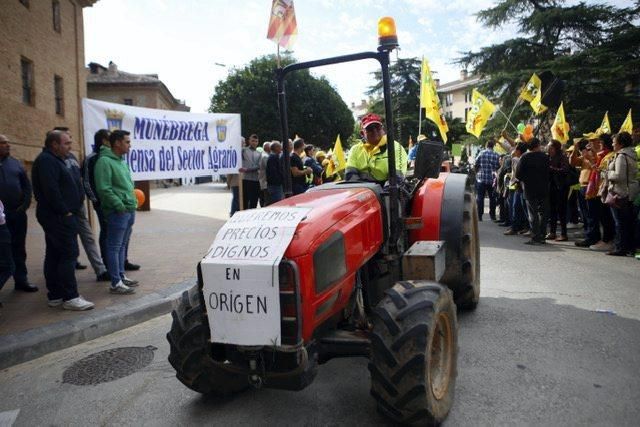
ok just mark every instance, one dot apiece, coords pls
pixel 535 352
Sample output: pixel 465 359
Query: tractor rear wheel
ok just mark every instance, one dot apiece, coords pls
pixel 190 353
pixel 459 228
pixel 414 350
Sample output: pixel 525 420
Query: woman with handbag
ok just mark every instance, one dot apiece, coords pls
pixel 622 189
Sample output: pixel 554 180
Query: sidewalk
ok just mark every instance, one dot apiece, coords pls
pixel 167 242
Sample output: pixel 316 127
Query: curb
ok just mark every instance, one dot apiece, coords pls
pixel 33 343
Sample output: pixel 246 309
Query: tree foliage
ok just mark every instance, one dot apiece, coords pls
pixel 594 48
pixel 405 97
pixel 315 110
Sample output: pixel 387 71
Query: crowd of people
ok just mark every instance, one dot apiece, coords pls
pixel 60 184
pixel 593 182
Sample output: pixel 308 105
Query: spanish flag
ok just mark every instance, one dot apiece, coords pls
pixel 337 162
pixel 560 128
pixel 605 127
pixel 627 125
pixel 532 92
pixel 283 28
pixel 479 113
pixel 429 100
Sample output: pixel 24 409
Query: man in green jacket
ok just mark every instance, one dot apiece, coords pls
pixel 118 203
pixel 368 160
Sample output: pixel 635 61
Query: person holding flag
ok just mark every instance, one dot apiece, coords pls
pixel 560 127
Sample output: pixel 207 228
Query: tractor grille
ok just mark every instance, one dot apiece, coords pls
pixel 289 303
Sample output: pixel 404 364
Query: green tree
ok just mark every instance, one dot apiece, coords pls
pixel 315 110
pixel 405 97
pixel 593 48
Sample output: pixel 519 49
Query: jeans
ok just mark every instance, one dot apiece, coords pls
pixel 89 242
pixel 558 206
pixel 102 237
pixel 624 221
pixel 598 214
pixel 481 189
pixel 17 226
pixel 298 188
pixel 7 267
pixel 538 208
pixel 61 253
pixel 518 218
pixel 235 200
pixel 276 193
pixel 582 207
pixel 119 227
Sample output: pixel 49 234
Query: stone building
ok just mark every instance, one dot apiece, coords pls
pixel 455 96
pixel 42 72
pixel 141 90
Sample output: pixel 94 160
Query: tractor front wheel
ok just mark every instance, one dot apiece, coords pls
pixel 190 352
pixel 414 350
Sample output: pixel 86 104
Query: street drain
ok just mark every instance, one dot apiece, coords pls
pixel 108 365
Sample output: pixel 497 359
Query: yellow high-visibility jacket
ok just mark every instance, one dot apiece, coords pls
pixel 371 162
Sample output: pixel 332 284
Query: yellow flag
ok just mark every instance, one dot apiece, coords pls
pixel 498 148
pixel 337 162
pixel 627 125
pixel 430 102
pixel 605 127
pixel 532 92
pixel 560 127
pixel 479 113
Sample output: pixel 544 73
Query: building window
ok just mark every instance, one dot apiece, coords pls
pixel 467 97
pixel 128 101
pixel 25 3
pixel 58 89
pixel 449 99
pixel 466 111
pixel 26 66
pixel 55 6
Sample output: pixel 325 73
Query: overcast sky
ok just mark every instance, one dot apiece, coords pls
pixel 182 40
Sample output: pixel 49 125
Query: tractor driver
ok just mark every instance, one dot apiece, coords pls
pixel 368 159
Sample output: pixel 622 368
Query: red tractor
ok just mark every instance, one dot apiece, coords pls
pixel 372 271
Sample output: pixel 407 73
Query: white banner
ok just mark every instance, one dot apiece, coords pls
pixel 240 275
pixel 169 144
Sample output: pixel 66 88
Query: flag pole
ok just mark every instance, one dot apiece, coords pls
pixel 510 114
pixel 278 55
pixel 509 122
pixel 420 104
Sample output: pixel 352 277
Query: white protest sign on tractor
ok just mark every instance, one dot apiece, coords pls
pixel 168 144
pixel 240 275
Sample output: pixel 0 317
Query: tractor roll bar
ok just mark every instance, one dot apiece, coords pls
pixel 382 56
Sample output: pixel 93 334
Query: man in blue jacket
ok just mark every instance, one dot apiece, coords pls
pixel 15 194
pixel 59 199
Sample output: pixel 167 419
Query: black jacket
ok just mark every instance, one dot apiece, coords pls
pixel 54 186
pixel 274 170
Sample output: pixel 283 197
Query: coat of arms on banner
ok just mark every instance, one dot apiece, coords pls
pixel 114 119
pixel 221 130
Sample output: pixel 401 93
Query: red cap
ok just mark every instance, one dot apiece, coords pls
pixel 369 119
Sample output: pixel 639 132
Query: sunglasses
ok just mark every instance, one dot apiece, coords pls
pixel 373 127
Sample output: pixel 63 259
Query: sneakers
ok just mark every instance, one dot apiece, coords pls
pixel 527 233
pixel 129 282
pixel 551 236
pixel 523 231
pixel 55 302
pixel 121 289
pixel 602 247
pixel 510 232
pixel 562 238
pixel 77 304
